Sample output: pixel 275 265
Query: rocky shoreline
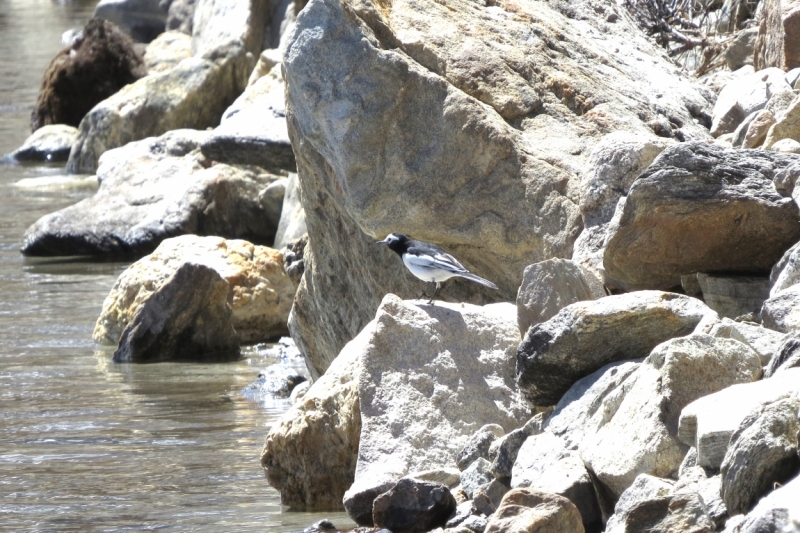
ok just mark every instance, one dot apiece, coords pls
pixel 645 223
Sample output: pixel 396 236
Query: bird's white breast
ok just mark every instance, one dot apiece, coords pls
pixel 425 270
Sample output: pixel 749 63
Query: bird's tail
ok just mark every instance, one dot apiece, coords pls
pixel 477 279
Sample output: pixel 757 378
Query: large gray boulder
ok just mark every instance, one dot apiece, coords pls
pixel 708 423
pixel 404 120
pixel 186 319
pixel 641 435
pixel 762 452
pixel 701 208
pixel 154 189
pixel 781 311
pixel 413 506
pixel 777 512
pixel 585 336
pixel 551 285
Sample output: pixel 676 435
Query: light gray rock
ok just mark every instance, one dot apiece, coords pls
pixel 216 23
pixel 786 271
pixel 180 15
pixel 678 215
pixel 775 513
pixel 478 473
pixel 743 96
pixel 478 445
pixel 50 143
pixel 765 342
pixel 762 452
pixel 186 319
pixel 152 190
pixel 420 401
pixel 487 497
pixel 642 434
pixel 740 52
pixel 253 130
pixel 551 285
pixel 193 94
pixel 786 146
pixel 497 153
pixel 544 464
pixel 733 296
pixel 707 485
pixel 166 51
pixel 645 488
pixel 740 134
pixel 613 165
pixel 708 423
pixel 449 477
pixel 780 102
pixel 781 311
pixel 292 224
pixel 786 357
pixel 143 20
pixel 585 336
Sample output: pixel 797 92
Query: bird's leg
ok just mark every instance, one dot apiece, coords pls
pixel 425 292
pixel 438 286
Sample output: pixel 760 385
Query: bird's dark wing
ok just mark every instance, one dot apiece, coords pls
pixel 430 255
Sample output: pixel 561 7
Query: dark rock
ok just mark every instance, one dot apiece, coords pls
pixel 187 319
pixel 293 259
pixel 487 497
pixel 152 190
pixel 507 452
pixel 358 503
pixel 143 20
pixel 275 381
pixel 478 445
pixel 701 208
pixel 321 526
pixel 645 488
pixel 413 506
pixel 180 15
pixel 100 62
pixel 585 336
pixel 762 451
pixel 788 356
pixel 775 513
pixel 50 143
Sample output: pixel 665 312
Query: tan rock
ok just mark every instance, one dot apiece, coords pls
pixel 166 51
pixel 757 131
pixel 786 146
pixel 467 126
pixel 788 127
pixel 531 511
pixel 778 41
pixel 260 293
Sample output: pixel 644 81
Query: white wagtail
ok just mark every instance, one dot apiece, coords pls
pixel 429 263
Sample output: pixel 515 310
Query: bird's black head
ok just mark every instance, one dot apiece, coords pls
pixel 396 242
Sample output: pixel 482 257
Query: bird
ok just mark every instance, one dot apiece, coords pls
pixel 429 263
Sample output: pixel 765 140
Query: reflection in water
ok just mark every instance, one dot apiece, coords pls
pixel 87 445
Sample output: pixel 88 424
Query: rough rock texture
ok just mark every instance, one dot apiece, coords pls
pixel 775 513
pixel 785 127
pixel 708 423
pixel 551 285
pixel 544 464
pixel 586 336
pixel 186 319
pixel 310 453
pixel 97 65
pixel 644 489
pixel 744 96
pixel 765 342
pixel 762 452
pixel 786 357
pixel 180 15
pixel 216 23
pixel 143 20
pixel 166 51
pixel 260 294
pixel 478 445
pixel 734 296
pixel 781 312
pixel 769 47
pixel 614 163
pixel 740 52
pixel 239 139
pixel 707 485
pixel 758 129
pixel 155 189
pixel 430 377
pixel 467 126
pixel 487 498
pixel 476 474
pixel 413 506
pixel 292 224
pixel 786 271
pixel 523 510
pixel 786 146
pixel 49 143
pixel 701 208
pixel 642 434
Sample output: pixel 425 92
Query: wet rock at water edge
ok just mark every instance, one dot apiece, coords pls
pixel 413 506
pixel 701 208
pixel 100 62
pixel 586 336
pixel 532 510
pixel 187 319
pixel 275 381
pixel 50 143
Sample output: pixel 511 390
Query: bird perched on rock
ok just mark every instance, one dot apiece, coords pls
pixel 429 263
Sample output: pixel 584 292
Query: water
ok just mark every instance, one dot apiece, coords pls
pixel 87 445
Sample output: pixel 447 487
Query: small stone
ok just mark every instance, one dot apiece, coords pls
pixel 413 506
pixel 478 445
pixel 487 497
pixel 50 143
pixel 476 474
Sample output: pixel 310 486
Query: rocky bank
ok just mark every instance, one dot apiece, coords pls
pixel 637 370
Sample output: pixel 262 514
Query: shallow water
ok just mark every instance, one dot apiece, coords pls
pixel 85 444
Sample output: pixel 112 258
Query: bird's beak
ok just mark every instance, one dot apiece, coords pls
pixel 381 242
